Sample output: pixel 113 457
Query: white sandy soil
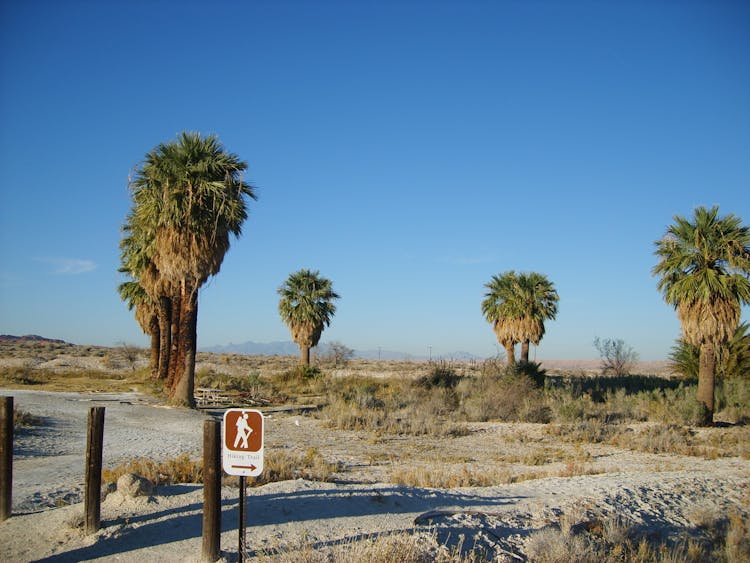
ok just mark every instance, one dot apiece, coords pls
pixel 660 494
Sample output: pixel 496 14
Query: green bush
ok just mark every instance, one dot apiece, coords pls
pixel 733 398
pixel 509 397
pixel 441 375
pixel 208 378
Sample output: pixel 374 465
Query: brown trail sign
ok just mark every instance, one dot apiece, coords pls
pixel 242 442
pixel 242 454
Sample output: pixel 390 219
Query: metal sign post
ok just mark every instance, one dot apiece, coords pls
pixel 242 454
pixel 243 496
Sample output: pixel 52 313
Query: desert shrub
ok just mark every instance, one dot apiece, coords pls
pixel 617 357
pixel 23 375
pixel 532 370
pixel 309 372
pixel 226 382
pixel 673 406
pixel 733 398
pixel 591 431
pixel 440 401
pixel 440 375
pixel 389 406
pixel 492 366
pixel 508 397
pixel 566 407
pixel 338 355
pixel 298 380
pixel 348 415
pixel 660 438
pixel 365 394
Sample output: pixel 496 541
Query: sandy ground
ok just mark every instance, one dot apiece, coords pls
pixel 662 494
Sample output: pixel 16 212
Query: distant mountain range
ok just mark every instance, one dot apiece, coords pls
pixel 279 348
pixel 288 348
pixel 29 338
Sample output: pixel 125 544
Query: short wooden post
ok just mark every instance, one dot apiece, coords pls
pixel 94 446
pixel 6 457
pixel 211 490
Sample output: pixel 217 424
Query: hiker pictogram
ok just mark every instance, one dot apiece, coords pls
pixel 243 431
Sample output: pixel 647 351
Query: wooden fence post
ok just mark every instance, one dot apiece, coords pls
pixel 94 446
pixel 6 457
pixel 211 490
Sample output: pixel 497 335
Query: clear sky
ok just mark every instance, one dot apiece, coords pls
pixel 407 150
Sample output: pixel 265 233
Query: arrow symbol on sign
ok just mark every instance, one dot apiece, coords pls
pixel 250 467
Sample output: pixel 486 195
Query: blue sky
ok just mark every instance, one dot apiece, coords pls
pixel 407 150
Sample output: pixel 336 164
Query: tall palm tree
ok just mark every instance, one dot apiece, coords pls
pixel 517 305
pixel 190 196
pixel 306 306
pixel 704 265
pixel 500 308
pixel 538 303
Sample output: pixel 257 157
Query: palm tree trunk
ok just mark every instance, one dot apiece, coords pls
pixel 525 351
pixel 510 352
pixel 165 340
pixel 184 384
pixel 706 374
pixel 174 346
pixel 305 350
pixel 155 341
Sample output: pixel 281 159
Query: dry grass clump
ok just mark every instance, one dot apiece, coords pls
pixel 613 539
pixel 182 469
pixel 25 419
pixel 23 375
pixel 575 468
pixel 249 385
pixel 396 547
pixel 277 466
pixel 72 379
pixel 590 431
pixel 657 438
pixel 446 477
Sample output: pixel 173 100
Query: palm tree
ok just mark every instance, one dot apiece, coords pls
pixel 306 306
pixel 538 302
pixel 517 305
pixel 704 267
pixel 500 308
pixel 189 196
